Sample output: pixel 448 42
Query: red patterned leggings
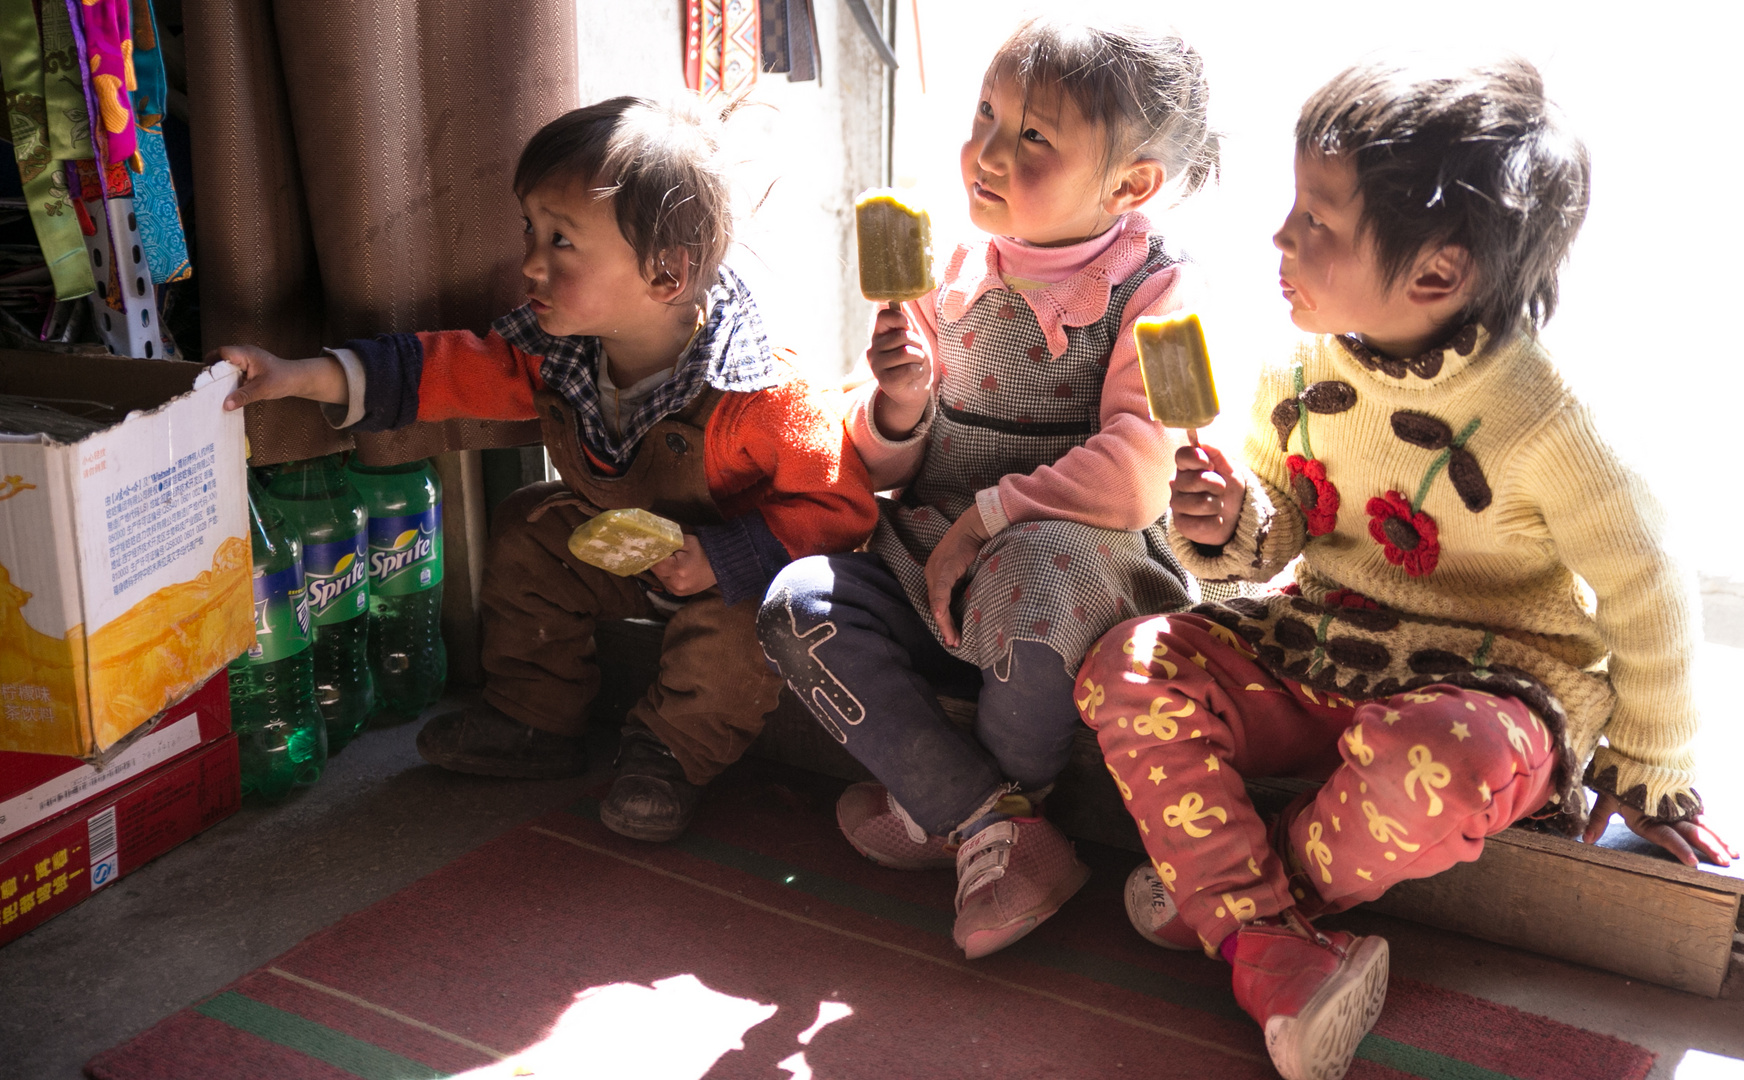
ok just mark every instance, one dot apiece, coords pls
pixel 1417 781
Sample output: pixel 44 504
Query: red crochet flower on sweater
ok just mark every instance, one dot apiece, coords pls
pixel 1314 493
pixel 1349 598
pixel 1408 535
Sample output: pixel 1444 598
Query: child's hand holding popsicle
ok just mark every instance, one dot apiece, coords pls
pixel 1204 497
pixel 895 240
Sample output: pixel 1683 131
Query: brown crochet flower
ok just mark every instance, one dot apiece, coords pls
pixel 1409 536
pixel 1314 493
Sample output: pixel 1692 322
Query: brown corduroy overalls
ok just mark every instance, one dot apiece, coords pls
pixel 540 604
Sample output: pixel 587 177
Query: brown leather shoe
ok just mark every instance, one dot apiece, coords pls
pixel 486 741
pixel 651 799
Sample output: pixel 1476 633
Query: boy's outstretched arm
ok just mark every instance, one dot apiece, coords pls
pixel 265 376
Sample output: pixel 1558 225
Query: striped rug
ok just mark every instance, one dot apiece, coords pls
pixel 760 945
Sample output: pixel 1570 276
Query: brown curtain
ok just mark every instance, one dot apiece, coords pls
pixel 352 161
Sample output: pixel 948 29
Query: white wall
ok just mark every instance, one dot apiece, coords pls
pixel 810 145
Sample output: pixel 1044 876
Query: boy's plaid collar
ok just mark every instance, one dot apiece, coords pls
pixel 730 354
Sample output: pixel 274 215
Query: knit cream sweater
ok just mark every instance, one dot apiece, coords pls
pixel 1473 496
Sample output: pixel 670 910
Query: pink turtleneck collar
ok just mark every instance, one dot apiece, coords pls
pixel 1079 298
pixel 1021 259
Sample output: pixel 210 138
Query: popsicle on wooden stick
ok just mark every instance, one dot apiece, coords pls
pixel 625 542
pixel 896 246
pixel 1177 371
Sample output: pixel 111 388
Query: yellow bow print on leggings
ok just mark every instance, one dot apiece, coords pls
pixel 1317 851
pixel 1160 723
pixel 1158 651
pixel 1433 773
pixel 1125 792
pixel 1517 737
pixel 1386 829
pixel 1363 752
pixel 1190 809
pixel 1166 874
pixel 1093 698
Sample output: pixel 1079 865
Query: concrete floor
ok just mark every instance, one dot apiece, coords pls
pixel 256 884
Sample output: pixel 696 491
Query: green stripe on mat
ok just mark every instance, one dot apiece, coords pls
pixel 318 1041
pixel 1412 1060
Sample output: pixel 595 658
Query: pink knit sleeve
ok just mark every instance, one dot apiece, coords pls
pixel 892 463
pixel 1119 478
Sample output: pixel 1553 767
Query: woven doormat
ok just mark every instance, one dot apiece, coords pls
pixel 761 945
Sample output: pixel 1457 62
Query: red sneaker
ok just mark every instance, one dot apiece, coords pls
pixel 882 831
pixel 1011 876
pixel 1316 995
pixel 1153 912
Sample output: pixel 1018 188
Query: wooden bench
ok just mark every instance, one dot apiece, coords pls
pixel 1613 906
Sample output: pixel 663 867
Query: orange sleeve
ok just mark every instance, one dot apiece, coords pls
pixel 480 378
pixel 784 453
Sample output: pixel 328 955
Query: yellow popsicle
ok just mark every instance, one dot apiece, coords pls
pixel 896 246
pixel 625 542
pixel 1177 371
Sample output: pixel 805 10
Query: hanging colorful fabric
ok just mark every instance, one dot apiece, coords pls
pixel 63 84
pixel 693 44
pixel 45 185
pixel 108 26
pixel 741 46
pixel 709 81
pixel 154 190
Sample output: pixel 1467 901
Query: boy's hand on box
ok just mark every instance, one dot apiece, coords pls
pixel 1205 497
pixel 265 376
pixel 904 370
pixel 1682 838
pixel 686 571
pixel 948 563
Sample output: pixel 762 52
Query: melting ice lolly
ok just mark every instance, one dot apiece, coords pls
pixel 896 246
pixel 1177 371
pixel 625 542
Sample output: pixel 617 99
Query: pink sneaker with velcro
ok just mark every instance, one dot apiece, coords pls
pixel 880 829
pixel 1011 876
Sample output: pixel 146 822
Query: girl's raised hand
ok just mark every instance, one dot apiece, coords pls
pixel 904 369
pixel 1205 497
pixel 947 565
pixel 265 376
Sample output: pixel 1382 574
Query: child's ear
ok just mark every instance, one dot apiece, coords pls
pixel 1444 276
pixel 1134 185
pixel 669 277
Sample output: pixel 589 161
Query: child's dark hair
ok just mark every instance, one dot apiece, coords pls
pixel 1477 158
pixel 1147 90
pixel 661 166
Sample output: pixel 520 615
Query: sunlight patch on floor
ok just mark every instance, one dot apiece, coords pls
pixel 1698 1065
pixel 673 1029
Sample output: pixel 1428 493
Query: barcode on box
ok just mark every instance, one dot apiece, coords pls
pixel 104 857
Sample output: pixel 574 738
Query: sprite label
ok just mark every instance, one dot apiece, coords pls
pixel 405 553
pixel 336 577
pixel 281 616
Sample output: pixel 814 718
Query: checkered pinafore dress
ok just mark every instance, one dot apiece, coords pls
pixel 1005 405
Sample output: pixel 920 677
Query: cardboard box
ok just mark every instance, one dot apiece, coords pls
pixel 125 566
pixel 35 788
pixel 54 866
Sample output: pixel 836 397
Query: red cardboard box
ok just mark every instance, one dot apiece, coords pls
pixel 54 866
pixel 35 788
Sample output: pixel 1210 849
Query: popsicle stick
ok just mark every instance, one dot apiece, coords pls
pixel 1193 436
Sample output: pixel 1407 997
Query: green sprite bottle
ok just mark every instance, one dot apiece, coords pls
pixel 279 729
pixel 406 656
pixel 324 509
